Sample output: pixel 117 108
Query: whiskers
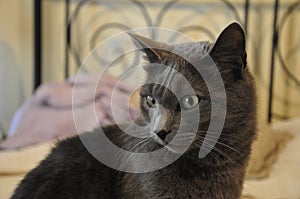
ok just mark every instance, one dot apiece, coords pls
pixel 219 138
pixel 220 150
pixel 137 145
pixel 218 146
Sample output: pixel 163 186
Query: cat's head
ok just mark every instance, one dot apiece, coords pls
pixel 167 96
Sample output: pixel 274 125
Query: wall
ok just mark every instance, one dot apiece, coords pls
pixel 15 56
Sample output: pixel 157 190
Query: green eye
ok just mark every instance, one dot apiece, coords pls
pixel 189 102
pixel 150 101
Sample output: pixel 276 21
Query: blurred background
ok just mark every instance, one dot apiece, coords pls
pixel 47 40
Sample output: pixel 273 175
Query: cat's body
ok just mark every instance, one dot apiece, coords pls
pixel 70 171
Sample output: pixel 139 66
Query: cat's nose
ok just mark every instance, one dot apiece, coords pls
pixel 162 134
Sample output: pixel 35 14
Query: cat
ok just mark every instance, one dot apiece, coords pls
pixel 70 171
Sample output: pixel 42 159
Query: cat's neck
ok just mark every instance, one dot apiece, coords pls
pixel 210 167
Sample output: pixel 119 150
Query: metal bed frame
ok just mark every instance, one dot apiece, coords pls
pixel 38 12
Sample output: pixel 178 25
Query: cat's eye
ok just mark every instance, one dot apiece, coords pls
pixel 189 102
pixel 150 101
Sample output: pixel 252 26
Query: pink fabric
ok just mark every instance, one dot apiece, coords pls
pixel 48 114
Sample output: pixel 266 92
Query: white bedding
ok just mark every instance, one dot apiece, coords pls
pixel 284 180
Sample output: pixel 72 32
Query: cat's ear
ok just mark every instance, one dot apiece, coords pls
pixel 230 48
pixel 155 51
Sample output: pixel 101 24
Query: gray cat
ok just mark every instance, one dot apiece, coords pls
pixel 70 171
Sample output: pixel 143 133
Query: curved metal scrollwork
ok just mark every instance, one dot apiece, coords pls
pixel 155 21
pixel 292 79
pixel 289 11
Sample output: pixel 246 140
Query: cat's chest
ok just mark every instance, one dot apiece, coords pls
pixel 172 184
pixel 163 185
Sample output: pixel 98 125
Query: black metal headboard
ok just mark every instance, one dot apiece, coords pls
pixel 278 24
pixel 72 53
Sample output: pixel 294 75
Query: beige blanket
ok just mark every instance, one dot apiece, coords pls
pixel 282 179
